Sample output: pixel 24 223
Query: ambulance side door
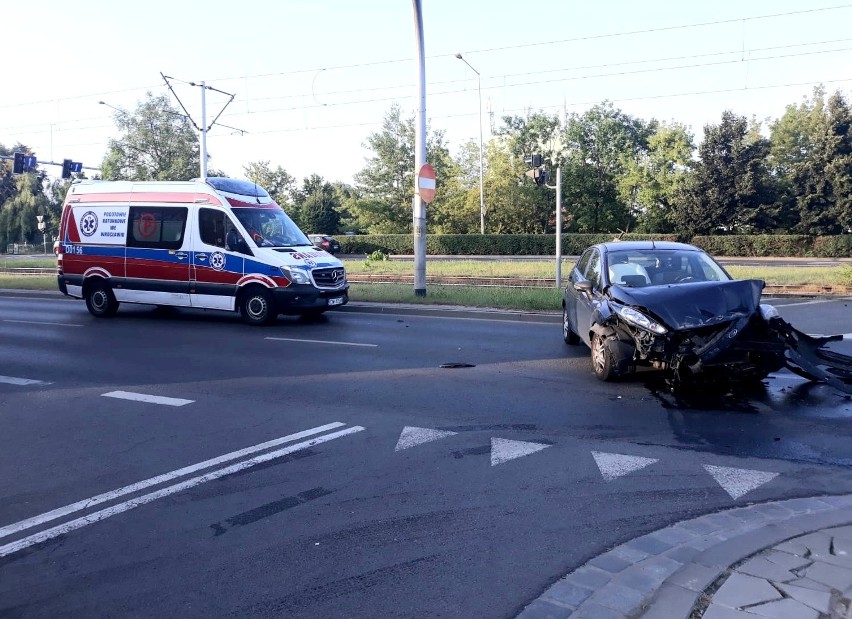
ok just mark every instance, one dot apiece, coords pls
pixel 158 258
pixel 218 259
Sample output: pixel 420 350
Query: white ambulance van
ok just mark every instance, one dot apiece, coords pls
pixel 219 244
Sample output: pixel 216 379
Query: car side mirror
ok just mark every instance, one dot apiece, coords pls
pixel 583 286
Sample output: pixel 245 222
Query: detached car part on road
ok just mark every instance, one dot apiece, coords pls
pixel 671 307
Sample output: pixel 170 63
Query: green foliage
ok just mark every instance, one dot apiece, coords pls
pixel 278 183
pixel 822 179
pixel 731 190
pixel 600 143
pixel 839 246
pixel 483 244
pixel 157 143
pixel 317 206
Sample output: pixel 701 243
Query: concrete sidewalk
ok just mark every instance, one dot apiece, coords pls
pixel 783 560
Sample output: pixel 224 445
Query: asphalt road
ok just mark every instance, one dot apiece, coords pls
pixel 452 492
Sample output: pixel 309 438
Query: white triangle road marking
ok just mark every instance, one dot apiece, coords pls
pixel 737 482
pixel 412 436
pixel 613 466
pixel 503 450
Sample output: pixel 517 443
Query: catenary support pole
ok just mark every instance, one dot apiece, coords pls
pixel 559 227
pixel 203 131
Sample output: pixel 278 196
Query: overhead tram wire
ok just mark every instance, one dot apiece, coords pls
pixel 562 104
pixel 736 61
pixel 472 51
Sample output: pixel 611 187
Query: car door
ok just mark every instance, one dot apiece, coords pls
pixel 157 262
pixel 571 293
pixel 218 260
pixel 586 301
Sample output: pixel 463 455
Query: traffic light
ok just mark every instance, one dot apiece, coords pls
pixel 66 168
pixel 18 166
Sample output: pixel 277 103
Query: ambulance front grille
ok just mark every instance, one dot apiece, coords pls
pixel 329 278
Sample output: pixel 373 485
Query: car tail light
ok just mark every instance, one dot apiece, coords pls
pixel 325 243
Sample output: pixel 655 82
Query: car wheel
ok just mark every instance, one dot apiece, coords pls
pixel 567 333
pixel 256 307
pixel 100 300
pixel 602 363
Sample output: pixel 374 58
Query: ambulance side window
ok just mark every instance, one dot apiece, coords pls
pixel 156 227
pixel 212 225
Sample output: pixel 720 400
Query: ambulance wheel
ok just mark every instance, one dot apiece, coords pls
pixel 256 307
pixel 100 300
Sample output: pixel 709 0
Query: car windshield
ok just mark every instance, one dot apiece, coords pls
pixel 270 227
pixel 656 267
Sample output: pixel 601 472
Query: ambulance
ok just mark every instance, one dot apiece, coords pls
pixel 221 244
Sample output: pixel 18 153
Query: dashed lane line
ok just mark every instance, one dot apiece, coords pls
pixel 38 322
pixel 103 514
pixel 144 397
pixel 159 479
pixel 292 339
pixel 11 380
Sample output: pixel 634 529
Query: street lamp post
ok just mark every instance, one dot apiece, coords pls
pixel 481 183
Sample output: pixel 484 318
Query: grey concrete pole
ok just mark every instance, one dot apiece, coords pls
pixel 419 207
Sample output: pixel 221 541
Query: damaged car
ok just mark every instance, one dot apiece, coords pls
pixel 671 307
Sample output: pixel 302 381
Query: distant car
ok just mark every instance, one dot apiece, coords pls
pixel 323 241
pixel 671 307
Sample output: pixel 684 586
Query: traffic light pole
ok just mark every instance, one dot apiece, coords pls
pixel 558 189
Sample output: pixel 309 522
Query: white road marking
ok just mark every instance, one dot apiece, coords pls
pixel 613 466
pixel 412 436
pixel 36 322
pixel 144 397
pixel 103 514
pixel 503 450
pixel 737 482
pixel 292 339
pixel 804 303
pixel 11 380
pixel 154 481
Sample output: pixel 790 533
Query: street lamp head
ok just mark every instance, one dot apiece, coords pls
pixel 459 56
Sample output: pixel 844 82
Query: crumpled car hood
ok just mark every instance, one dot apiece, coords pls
pixel 695 304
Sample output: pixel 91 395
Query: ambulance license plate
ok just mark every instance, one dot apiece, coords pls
pixel 336 301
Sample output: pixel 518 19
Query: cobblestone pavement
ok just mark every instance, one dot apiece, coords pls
pixel 784 560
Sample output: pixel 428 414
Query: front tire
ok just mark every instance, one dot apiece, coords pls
pixel 567 333
pixel 256 308
pixel 602 362
pixel 100 300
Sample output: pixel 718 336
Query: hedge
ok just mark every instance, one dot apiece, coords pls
pixel 573 244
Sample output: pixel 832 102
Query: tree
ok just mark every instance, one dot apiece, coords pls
pixel 652 182
pixel 731 189
pixel 157 143
pixel 280 186
pixel 18 222
pixel 317 206
pixel 599 144
pixel 386 183
pixel 822 176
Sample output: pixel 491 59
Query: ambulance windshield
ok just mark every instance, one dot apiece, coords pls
pixel 270 227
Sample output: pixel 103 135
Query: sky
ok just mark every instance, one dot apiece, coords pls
pixel 313 79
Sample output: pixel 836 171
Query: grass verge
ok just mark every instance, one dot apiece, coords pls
pixel 524 299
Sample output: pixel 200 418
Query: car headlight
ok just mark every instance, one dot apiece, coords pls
pixel 296 276
pixel 768 311
pixel 638 319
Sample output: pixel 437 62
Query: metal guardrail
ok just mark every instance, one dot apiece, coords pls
pixel 38 271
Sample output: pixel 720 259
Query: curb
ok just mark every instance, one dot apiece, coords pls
pixel 393 309
pixel 661 575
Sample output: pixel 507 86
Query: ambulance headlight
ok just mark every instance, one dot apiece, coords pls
pixel 296 276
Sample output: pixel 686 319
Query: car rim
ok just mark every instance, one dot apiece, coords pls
pixel 599 355
pixel 99 300
pixel 565 328
pixel 256 308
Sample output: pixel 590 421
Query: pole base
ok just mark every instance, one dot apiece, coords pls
pixel 419 292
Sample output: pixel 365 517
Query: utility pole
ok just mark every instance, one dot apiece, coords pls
pixel 419 206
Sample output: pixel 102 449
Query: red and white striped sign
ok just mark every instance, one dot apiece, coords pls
pixel 426 183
